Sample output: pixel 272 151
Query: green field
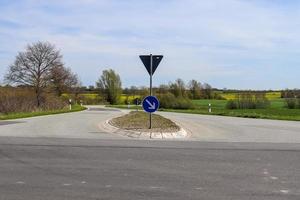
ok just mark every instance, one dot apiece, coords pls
pixel 277 110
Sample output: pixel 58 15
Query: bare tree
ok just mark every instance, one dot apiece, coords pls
pixel 178 88
pixel 207 91
pixel 195 89
pixel 33 67
pixel 63 79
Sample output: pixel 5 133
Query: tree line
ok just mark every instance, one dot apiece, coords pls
pixel 38 78
pixel 177 94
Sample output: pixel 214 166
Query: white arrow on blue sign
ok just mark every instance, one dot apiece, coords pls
pixel 150 104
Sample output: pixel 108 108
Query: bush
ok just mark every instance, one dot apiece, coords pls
pixel 52 102
pixel 24 100
pixel 291 103
pixel 169 101
pixel 16 100
pixel 249 100
pixel 231 104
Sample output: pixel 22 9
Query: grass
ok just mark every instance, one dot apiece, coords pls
pixel 75 108
pixel 140 121
pixel 277 110
pixel 278 114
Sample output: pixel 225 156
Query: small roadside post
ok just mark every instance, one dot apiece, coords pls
pixel 70 104
pixel 136 101
pixel 151 103
pixel 209 107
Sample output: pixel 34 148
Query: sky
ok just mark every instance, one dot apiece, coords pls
pixel 237 44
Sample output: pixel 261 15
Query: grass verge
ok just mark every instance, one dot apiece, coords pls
pixel 139 121
pixel 75 108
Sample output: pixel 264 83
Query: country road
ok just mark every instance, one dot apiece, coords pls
pixel 77 169
pixel 69 156
pixel 85 124
pixel 69 125
pixel 234 129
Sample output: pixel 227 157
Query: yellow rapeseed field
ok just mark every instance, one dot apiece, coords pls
pixel 269 95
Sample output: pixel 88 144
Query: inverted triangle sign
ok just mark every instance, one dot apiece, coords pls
pixel 155 62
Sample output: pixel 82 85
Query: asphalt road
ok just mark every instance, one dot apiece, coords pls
pixel 83 124
pixel 233 129
pixel 39 168
pixel 69 156
pixel 87 124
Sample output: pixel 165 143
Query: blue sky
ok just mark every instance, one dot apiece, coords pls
pixel 243 44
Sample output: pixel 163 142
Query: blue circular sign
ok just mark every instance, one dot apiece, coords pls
pixel 150 104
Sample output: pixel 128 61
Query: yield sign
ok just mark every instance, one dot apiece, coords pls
pixel 146 59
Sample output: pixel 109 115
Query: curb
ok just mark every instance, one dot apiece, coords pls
pixel 107 126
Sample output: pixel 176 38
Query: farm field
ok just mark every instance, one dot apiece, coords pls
pixel 232 95
pixel 277 110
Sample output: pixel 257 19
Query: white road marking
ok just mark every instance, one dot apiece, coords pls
pixel 265 172
pixel 274 178
pixel 107 186
pixel 83 182
pixel 199 188
pixel 66 184
pixel 155 187
pixel 284 191
pixel 20 182
pixel 283 181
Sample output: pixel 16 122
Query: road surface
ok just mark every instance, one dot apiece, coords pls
pixel 200 127
pixel 83 124
pixel 76 169
pixel 234 129
pixel 69 156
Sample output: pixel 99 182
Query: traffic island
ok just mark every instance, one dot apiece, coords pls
pixel 136 124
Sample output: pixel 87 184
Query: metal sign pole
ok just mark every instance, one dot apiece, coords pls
pixel 151 103
pixel 150 87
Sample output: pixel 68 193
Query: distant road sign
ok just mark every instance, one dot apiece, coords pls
pixel 146 59
pixel 150 104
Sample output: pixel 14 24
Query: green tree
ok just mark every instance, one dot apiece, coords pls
pixel 110 86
